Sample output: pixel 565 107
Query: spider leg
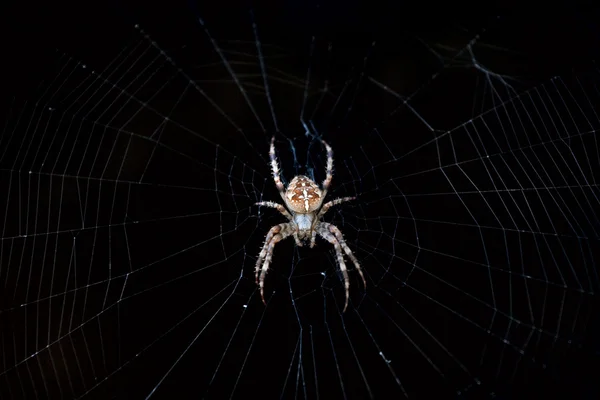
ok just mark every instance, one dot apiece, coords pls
pixel 332 203
pixel 329 170
pixel 275 235
pixel 275 169
pixel 285 213
pixel 330 237
pixel 338 235
pixel 276 206
pixel 297 239
pixel 334 236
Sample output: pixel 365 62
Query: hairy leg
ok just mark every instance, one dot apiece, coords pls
pixel 276 206
pixel 275 235
pixel 340 238
pixel 275 169
pixel 285 213
pixel 330 237
pixel 332 203
pixel 313 238
pixel 329 168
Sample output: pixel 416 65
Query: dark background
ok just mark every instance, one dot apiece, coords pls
pixel 530 47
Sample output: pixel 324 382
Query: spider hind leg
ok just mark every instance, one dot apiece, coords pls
pixel 334 236
pixel 275 235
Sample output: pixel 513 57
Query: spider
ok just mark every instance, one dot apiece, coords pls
pixel 304 199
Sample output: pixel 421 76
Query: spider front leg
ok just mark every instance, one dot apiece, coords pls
pixel 329 170
pixel 274 236
pixel 275 169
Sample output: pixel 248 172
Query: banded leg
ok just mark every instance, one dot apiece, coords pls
pixel 275 169
pixel 276 206
pixel 330 237
pixel 340 238
pixel 329 170
pixel 274 236
pixel 285 213
pixel 334 236
pixel 313 238
pixel 332 203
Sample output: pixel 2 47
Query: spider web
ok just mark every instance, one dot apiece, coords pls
pixel 131 166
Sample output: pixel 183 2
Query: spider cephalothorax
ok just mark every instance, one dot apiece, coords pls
pixel 304 199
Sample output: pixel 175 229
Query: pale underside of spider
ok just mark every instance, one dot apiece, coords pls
pixel 304 200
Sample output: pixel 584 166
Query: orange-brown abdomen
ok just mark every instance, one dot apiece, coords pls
pixel 303 195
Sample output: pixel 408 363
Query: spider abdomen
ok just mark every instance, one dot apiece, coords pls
pixel 303 195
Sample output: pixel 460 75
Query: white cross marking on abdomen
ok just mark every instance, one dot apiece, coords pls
pixel 305 199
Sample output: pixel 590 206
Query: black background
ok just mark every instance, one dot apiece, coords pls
pixel 534 46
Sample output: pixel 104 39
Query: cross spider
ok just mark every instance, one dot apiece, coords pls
pixel 303 198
